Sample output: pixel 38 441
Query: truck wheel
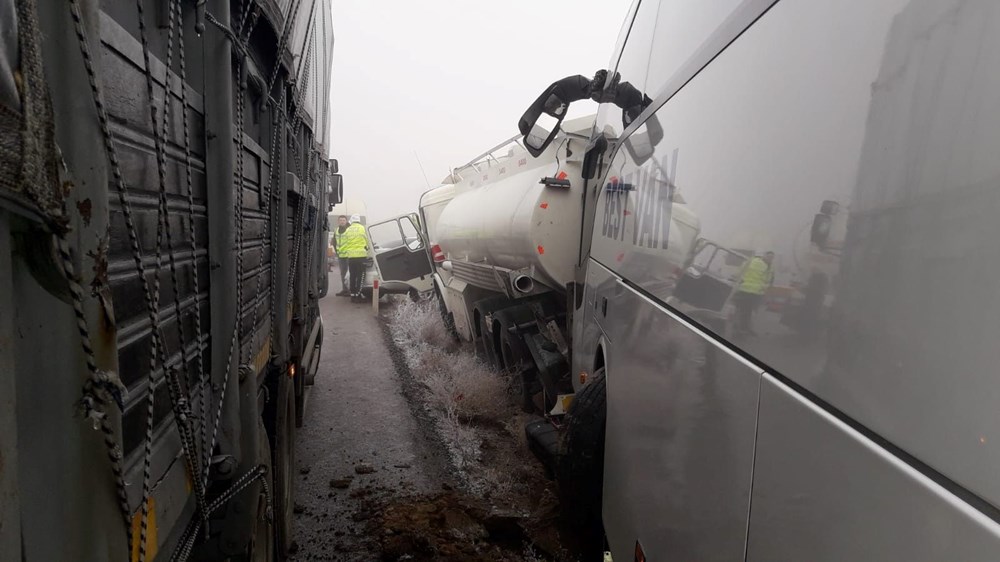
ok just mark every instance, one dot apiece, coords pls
pixel 812 305
pixel 581 465
pixel 516 361
pixel 261 547
pixel 486 348
pixel 284 465
pixel 446 317
pixel 487 345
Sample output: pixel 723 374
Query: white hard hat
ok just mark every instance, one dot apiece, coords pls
pixel 355 218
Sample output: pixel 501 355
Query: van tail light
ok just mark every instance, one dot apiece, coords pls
pixel 436 254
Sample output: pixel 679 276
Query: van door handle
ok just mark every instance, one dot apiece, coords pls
pixel 604 307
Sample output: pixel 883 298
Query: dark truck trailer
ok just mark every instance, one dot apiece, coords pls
pixel 164 184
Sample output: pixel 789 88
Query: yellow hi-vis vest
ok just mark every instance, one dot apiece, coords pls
pixel 338 242
pixel 757 277
pixel 352 243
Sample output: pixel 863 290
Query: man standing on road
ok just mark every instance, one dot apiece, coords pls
pixel 353 245
pixel 756 279
pixel 341 258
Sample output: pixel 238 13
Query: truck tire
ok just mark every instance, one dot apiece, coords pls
pixel 516 361
pixel 812 305
pixel 486 344
pixel 261 547
pixel 284 465
pixel 300 398
pixel 487 348
pixel 581 464
pixel 447 318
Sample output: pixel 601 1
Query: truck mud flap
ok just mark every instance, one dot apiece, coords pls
pixel 543 441
pixel 552 368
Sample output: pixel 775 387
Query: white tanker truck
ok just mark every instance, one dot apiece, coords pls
pixel 504 239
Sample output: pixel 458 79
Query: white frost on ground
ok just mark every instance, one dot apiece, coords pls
pixel 468 400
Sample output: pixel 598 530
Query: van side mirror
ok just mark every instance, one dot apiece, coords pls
pixel 822 222
pixel 540 123
pixel 820 232
pixel 641 144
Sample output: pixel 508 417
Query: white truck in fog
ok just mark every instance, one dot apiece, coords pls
pixel 504 238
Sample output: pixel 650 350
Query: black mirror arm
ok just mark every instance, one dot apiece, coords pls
pixel 575 88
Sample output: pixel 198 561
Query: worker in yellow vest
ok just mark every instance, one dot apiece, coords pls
pixel 757 278
pixel 342 266
pixel 353 245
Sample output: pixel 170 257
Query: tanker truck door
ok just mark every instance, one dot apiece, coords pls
pixel 401 254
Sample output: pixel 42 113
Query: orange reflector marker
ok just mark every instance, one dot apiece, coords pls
pixel 375 284
pixel 562 175
pixel 583 377
pixel 544 205
pixel 291 370
pixel 541 249
pixel 640 556
pixel 152 529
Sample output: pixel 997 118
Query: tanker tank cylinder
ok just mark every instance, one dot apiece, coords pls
pixel 523 284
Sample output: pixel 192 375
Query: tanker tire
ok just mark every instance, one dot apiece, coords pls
pixel 812 306
pixel 581 465
pixel 446 317
pixel 486 347
pixel 284 466
pixel 261 547
pixel 513 353
pixel 488 352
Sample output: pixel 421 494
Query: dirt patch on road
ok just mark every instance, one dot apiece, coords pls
pixel 453 526
pixel 504 507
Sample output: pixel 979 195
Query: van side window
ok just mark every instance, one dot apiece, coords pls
pixel 623 35
pixel 682 27
pixel 632 64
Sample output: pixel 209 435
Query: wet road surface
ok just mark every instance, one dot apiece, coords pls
pixel 360 443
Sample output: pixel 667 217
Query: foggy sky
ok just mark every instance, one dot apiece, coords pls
pixel 448 79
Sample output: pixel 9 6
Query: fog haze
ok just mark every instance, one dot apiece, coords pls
pixel 445 80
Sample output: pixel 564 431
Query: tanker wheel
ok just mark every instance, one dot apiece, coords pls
pixel 261 547
pixel 516 362
pixel 284 465
pixel 486 344
pixel 487 351
pixel 446 317
pixel 812 305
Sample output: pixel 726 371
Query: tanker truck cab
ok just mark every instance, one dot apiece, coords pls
pixel 400 256
pixel 871 440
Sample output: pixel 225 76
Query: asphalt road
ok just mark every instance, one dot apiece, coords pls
pixel 361 442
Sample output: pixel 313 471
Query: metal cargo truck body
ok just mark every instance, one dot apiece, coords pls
pixel 867 130
pixel 164 237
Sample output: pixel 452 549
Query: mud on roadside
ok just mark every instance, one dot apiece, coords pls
pixel 500 505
